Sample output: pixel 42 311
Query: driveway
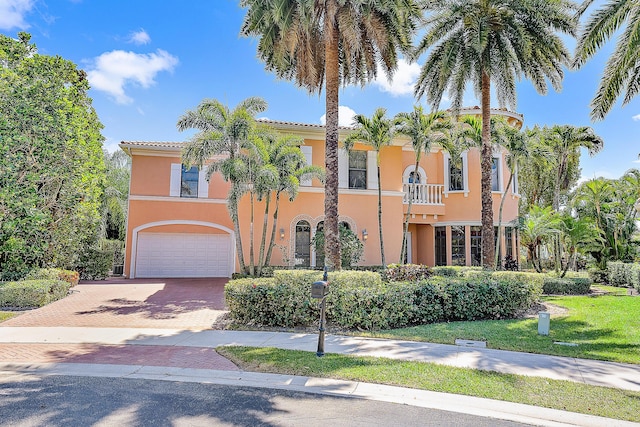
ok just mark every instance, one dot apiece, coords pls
pixel 193 304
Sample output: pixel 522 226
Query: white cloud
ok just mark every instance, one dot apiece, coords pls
pixel 345 116
pixel 403 81
pixel 12 13
pixel 636 117
pixel 110 144
pixel 140 37
pixel 113 70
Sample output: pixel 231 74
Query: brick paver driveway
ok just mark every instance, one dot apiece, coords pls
pixel 138 303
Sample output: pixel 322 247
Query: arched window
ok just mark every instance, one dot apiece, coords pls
pixel 303 244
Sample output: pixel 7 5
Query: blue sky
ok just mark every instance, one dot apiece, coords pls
pixel 150 61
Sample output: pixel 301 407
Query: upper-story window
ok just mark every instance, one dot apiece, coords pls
pixel 189 182
pixel 414 177
pixel 358 169
pixel 495 174
pixel 456 174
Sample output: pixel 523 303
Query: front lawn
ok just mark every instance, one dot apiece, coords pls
pixel 605 327
pixel 6 315
pixel 563 395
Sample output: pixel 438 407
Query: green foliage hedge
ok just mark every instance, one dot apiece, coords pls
pixel 566 286
pixel 72 277
pixel 362 300
pixel 623 274
pixel 32 293
pixel 95 263
pixel 407 272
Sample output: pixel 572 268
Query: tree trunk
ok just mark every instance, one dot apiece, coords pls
pixel 486 157
pixel 252 265
pixel 332 86
pixel 263 239
pixel 272 241
pixel 233 210
pixel 499 240
pixel 406 221
pixel 380 212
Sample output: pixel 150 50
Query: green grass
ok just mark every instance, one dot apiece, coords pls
pixel 564 395
pixel 604 327
pixel 6 315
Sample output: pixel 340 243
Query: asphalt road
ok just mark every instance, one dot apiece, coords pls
pixel 34 400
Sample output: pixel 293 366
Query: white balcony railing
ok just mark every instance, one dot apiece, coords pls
pixel 423 194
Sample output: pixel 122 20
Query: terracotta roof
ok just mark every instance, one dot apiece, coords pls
pixel 163 144
pixel 305 125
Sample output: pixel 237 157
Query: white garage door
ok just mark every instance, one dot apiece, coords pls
pixel 183 255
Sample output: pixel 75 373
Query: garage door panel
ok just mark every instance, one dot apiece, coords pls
pixel 183 255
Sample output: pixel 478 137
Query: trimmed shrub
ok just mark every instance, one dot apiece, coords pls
pixel 407 272
pixel 597 275
pixel 32 293
pixel 69 276
pixel 447 271
pixel 362 300
pixel 95 264
pixel 618 274
pixel 566 286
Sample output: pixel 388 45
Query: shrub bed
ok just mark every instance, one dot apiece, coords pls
pixel 623 274
pixel 566 286
pixel 32 293
pixel 363 300
pixel 72 277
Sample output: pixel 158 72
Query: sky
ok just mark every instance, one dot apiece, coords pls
pixel 149 61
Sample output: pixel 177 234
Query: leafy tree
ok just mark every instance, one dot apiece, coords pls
pixel 326 44
pixel 221 132
pixel 424 131
pixel 578 235
pixel 485 42
pixel 622 72
pixel 51 163
pixel 116 194
pixel 376 132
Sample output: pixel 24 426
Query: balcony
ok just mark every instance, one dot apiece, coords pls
pixel 423 194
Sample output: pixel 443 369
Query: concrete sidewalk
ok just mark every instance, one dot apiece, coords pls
pixel 618 375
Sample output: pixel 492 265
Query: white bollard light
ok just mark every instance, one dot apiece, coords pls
pixel 544 319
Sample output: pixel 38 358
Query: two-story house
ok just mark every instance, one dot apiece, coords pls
pixel 179 226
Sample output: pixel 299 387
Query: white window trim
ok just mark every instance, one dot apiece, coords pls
pixel 203 184
pixel 407 173
pixel 343 168
pixel 176 179
pixel 500 174
pixel 372 170
pixel 465 175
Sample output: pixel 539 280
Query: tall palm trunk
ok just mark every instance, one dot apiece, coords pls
pixel 405 230
pixel 272 240
pixel 233 210
pixel 263 239
pixel 380 213
pixel 332 82
pixel 488 255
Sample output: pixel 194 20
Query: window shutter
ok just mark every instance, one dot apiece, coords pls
pixel 372 170
pixel 308 155
pixel 176 180
pixel 203 185
pixel 343 168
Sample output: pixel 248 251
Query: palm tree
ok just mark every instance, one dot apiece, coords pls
pixel 579 235
pixel 536 228
pixel 565 142
pixel 485 41
pixel 325 44
pixel 376 132
pixel 284 166
pixel 516 144
pixel 424 130
pixel 621 74
pixel 222 131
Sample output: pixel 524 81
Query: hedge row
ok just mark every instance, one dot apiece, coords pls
pixel 566 286
pixel 363 300
pixel 72 277
pixel 623 274
pixel 32 293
